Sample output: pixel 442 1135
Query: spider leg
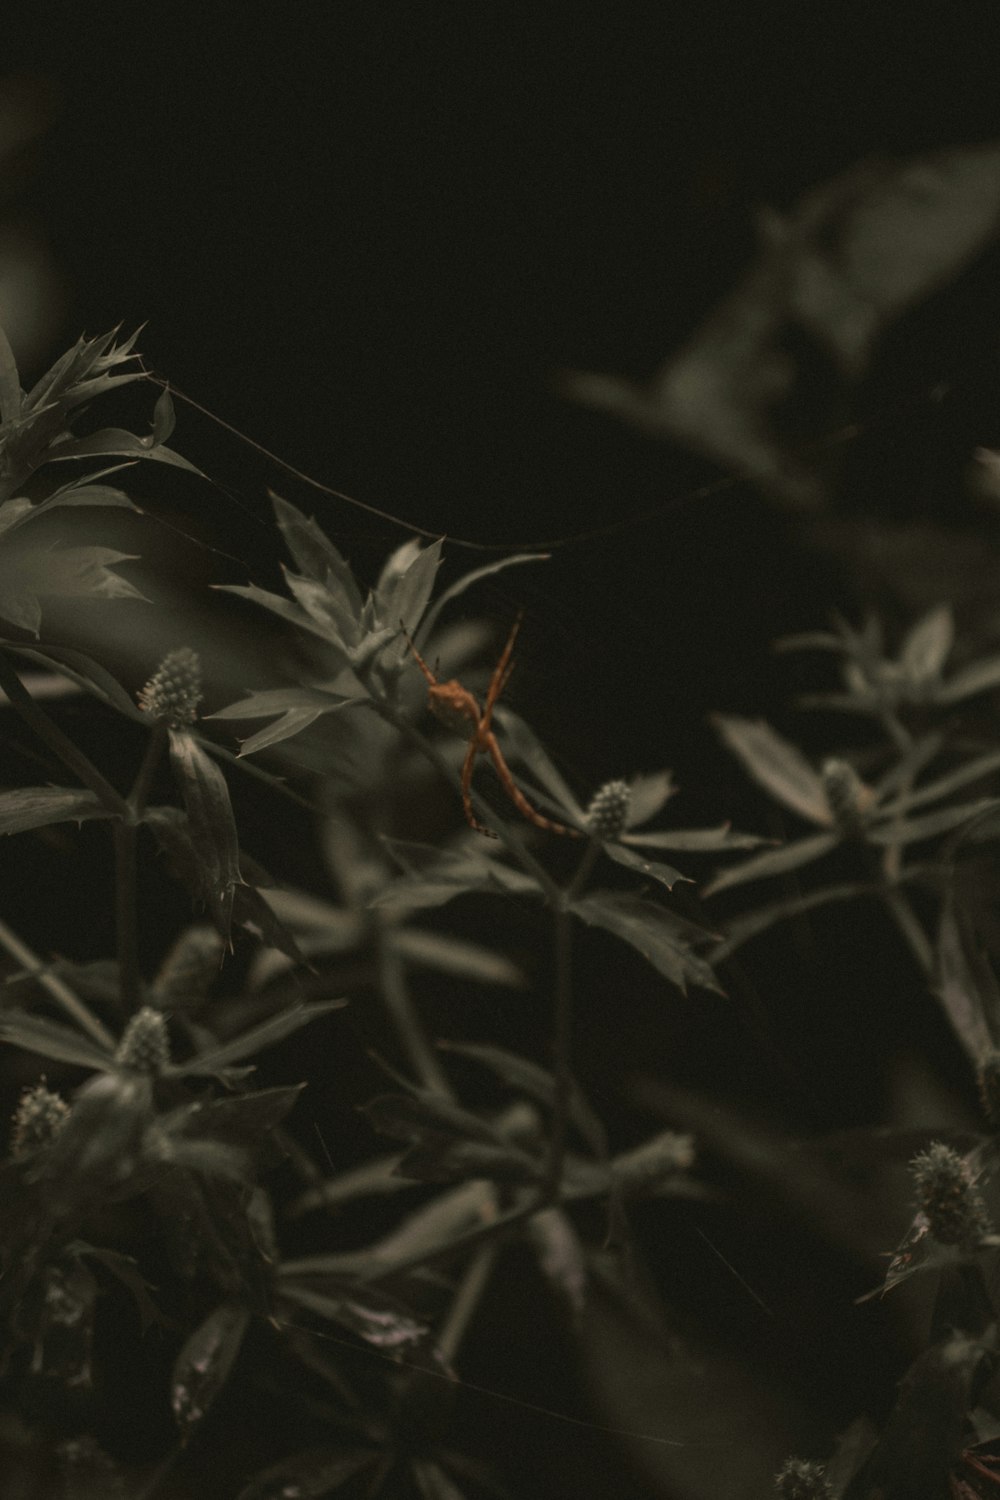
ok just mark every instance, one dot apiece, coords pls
pixel 487 714
pixel 491 745
pixel 468 766
pixel 500 672
pixel 417 657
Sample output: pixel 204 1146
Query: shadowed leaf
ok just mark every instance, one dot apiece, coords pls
pixel 661 937
pixel 39 806
pixel 51 1039
pixel 315 554
pixel 308 1476
pixel 654 868
pixel 779 767
pixel 210 820
pixel 966 986
pixel 527 1078
pixel 774 862
pixel 266 1034
pixel 203 1365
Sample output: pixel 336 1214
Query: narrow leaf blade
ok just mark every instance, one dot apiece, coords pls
pixel 266 1034
pixel 41 806
pixel 779 767
pixel 51 1039
pixel 204 1364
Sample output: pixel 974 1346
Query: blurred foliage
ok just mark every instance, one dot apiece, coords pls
pixel 310 1321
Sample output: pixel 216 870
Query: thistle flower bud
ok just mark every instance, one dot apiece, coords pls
pixel 847 796
pixel 190 965
pixel 608 810
pixel 38 1119
pixel 989 1087
pixel 801 1479
pixel 174 690
pixel 946 1192
pixel 145 1046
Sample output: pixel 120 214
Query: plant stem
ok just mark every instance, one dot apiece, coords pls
pixel 470 1290
pixel 140 787
pixel 561 1048
pixel 583 869
pixel 61 993
pixel 395 993
pixel 905 918
pixel 126 916
pixel 476 1235
pixel 58 742
pixel 126 835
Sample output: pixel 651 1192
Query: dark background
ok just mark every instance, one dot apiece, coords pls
pixel 371 235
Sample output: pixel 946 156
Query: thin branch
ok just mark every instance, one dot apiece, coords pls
pixel 467 1298
pixel 561 1049
pixel 59 743
pixel 61 993
pixel 127 916
pixel 905 918
pixel 409 1029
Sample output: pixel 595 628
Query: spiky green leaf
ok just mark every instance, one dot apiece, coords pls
pixel 654 868
pixel 662 938
pixel 40 806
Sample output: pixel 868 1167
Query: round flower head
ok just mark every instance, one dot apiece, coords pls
pixel 608 810
pixel 801 1479
pixel 145 1046
pixel 946 1192
pixel 174 690
pixel 38 1119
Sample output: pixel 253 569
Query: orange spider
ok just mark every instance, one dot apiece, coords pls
pixel 457 709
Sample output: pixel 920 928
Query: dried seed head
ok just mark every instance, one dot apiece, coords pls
pixel 801 1479
pixel 847 796
pixel 174 690
pixel 145 1046
pixel 608 810
pixel 38 1119
pixel 946 1192
pixel 190 966
pixel 989 1087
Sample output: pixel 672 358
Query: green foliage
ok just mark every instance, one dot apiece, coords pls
pixel 158 1194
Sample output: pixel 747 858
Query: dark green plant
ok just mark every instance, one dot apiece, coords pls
pixel 147 1166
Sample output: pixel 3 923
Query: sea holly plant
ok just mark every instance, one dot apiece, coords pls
pixel 37 442
pixel 273 1150
pixel 883 822
pixel 881 686
pixel 147 1105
